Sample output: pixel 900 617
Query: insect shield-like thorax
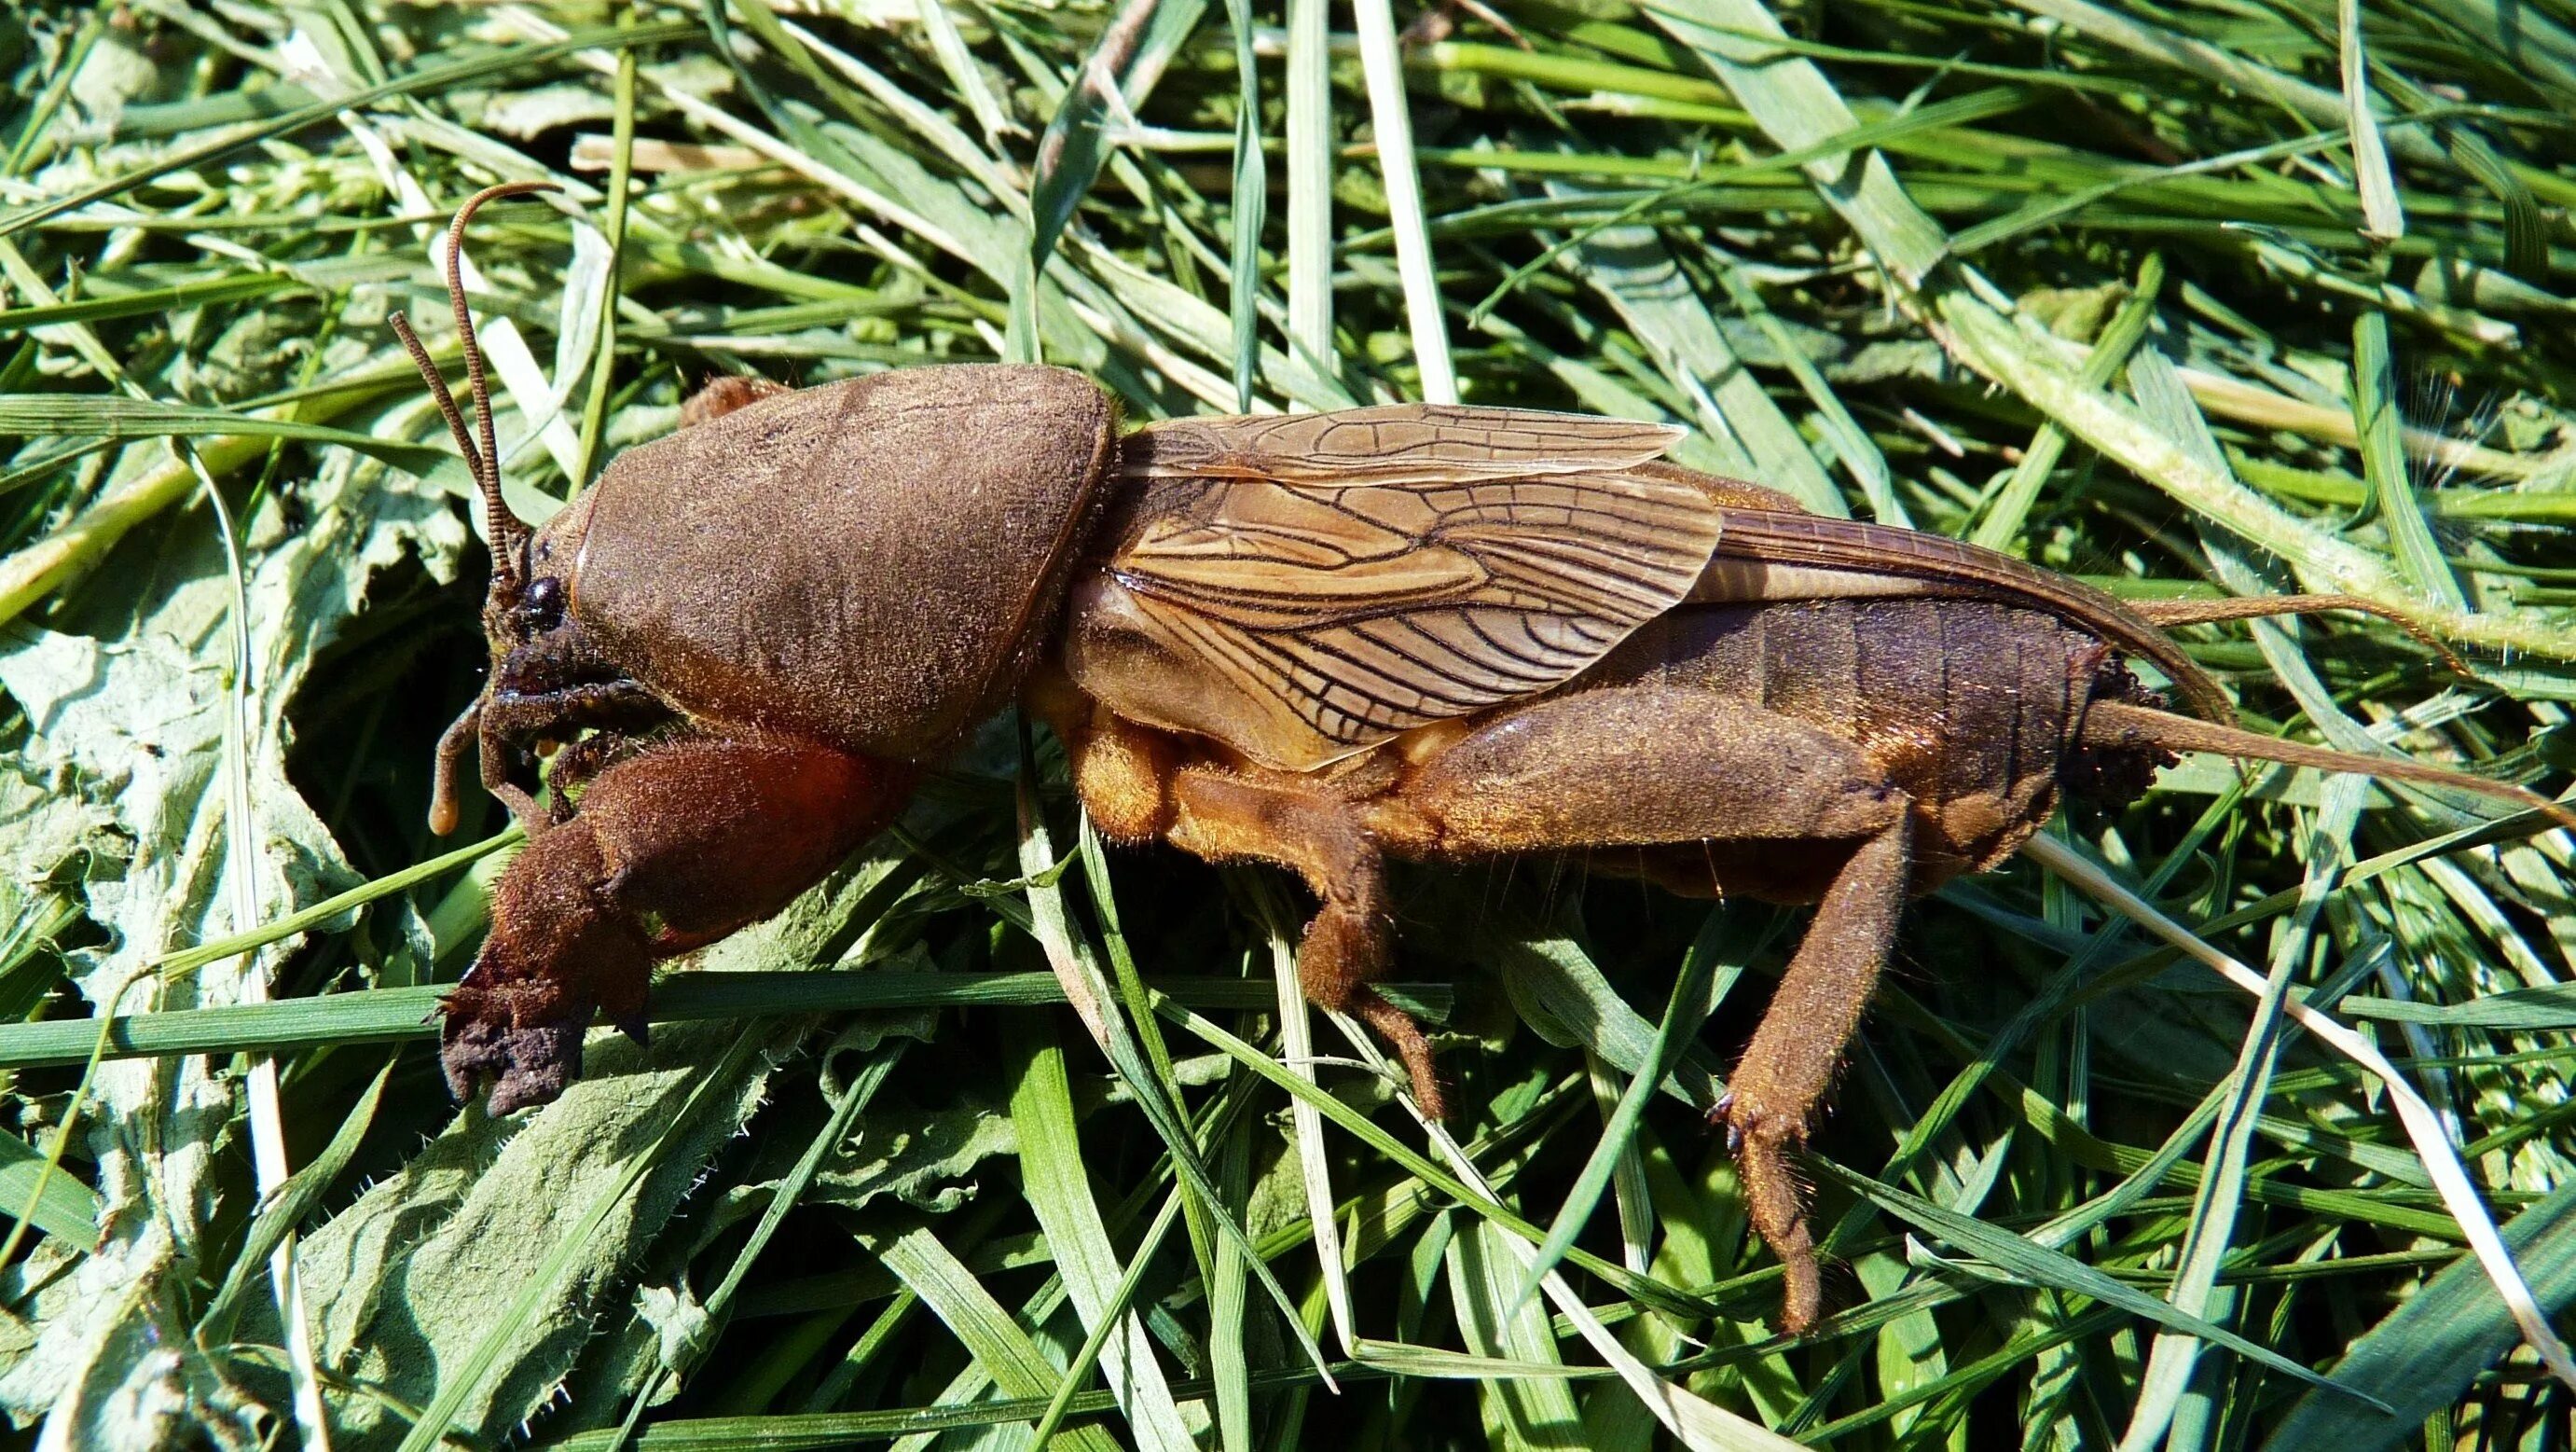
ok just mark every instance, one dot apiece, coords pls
pixel 864 563
pixel 732 651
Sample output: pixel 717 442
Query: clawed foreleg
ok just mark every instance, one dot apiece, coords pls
pixel 672 848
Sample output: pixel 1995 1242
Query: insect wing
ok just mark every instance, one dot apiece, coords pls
pixel 1395 444
pixel 1325 616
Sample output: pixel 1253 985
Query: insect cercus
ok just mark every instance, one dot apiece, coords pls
pixel 1439 633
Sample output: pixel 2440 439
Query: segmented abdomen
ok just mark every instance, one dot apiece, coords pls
pixel 1969 706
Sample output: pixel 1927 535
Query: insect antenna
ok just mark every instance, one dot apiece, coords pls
pixel 456 428
pixel 482 454
pixel 2123 726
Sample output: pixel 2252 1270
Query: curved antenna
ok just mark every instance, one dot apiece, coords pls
pixel 482 454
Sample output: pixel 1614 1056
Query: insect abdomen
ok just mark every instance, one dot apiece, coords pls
pixel 1968 706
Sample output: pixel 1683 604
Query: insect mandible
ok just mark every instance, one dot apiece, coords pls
pixel 1439 633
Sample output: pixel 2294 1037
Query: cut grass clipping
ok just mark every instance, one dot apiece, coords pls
pixel 2241 1118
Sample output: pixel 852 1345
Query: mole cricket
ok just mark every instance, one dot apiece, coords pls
pixel 1439 633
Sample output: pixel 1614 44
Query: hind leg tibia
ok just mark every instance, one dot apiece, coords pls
pixel 1791 1062
pixel 1770 805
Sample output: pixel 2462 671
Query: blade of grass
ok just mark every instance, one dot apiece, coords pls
pixel 1391 120
pixel 1532 1412
pixel 949 45
pixel 1229 1321
pixel 2010 512
pixel 1251 198
pixel 2029 1263
pixel 2377 421
pixel 1310 187
pixel 1697 1423
pixel 1140 1014
pixel 2423 1126
pixel 430 79
pixel 2383 216
pixel 1077 970
pixel 1697 990
pixel 1851 443
pixel 1071 149
pixel 2142 38
pixel 282 1211
pixel 997 1343
pixel 33 414
pixel 145 302
pixel 827 1142
pixel 2428 1351
pixel 307 919
pixel 1663 1297
pixel 1408 1360
pixel 1314 1164
pixel 838 1429
pixel 2539 1010
pixel 1630 1195
pixel 382 1015
pixel 2173 1357
pixel 1566 999
pixel 621 175
pixel 1095 1344
pixel 58 87
pixel 58 1205
pixel 1798 107
pixel 1638 275
pixel 1058 1187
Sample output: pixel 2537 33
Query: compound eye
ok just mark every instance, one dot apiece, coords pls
pixel 543 606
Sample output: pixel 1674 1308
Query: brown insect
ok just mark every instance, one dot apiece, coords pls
pixel 1446 634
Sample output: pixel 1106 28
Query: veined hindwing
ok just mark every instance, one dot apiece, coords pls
pixel 1339 578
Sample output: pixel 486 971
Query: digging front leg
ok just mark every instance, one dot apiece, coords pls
pixel 561 949
pixel 671 849
pixel 1227 818
pixel 1799 1045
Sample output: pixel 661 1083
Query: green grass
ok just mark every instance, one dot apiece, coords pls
pixel 2123 289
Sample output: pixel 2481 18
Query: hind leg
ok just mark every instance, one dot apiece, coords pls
pixel 1791 1062
pixel 1653 765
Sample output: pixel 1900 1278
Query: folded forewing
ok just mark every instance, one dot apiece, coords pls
pixel 1320 617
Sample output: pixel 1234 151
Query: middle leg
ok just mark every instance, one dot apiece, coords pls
pixel 1223 816
pixel 1131 782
